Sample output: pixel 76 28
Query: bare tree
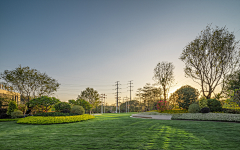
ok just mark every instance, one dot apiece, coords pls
pixel 163 75
pixel 210 57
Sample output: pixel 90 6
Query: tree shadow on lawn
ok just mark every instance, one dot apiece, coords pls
pixel 114 131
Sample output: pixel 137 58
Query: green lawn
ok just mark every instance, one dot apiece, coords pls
pixel 119 131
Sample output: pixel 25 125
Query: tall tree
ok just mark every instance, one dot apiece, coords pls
pixel 30 83
pixel 163 75
pixel 90 95
pixel 210 57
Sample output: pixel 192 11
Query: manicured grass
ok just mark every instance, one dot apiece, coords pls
pixel 119 131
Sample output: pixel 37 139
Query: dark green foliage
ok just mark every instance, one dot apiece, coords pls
pixel 3 110
pixel 55 114
pixel 214 105
pixel 85 104
pixel 205 110
pixel 194 108
pixel 43 103
pixel 62 106
pixel 11 107
pixel 4 116
pixel 65 111
pixel 232 111
pixel 186 95
pixel 77 110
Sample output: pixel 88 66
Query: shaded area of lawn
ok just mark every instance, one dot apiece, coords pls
pixel 119 131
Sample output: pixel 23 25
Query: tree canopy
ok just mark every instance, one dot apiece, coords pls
pixel 210 57
pixel 30 83
pixel 90 95
pixel 186 95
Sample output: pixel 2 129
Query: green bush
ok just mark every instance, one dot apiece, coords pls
pixel 11 107
pixel 203 103
pixel 17 114
pixel 54 119
pixel 214 105
pixel 186 95
pixel 194 108
pixel 62 106
pixel 78 110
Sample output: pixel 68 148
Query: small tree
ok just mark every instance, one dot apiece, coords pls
pixel 186 96
pixel 90 95
pixel 163 75
pixel 11 107
pixel 43 103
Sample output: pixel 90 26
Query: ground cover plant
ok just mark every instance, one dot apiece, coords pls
pixel 120 131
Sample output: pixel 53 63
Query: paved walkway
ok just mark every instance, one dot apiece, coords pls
pixel 160 117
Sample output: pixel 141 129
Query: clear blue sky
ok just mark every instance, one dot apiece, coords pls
pixel 94 43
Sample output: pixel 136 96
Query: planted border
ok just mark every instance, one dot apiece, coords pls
pixel 6 120
pixel 54 119
pixel 207 117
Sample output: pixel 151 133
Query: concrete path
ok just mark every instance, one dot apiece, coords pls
pixel 160 117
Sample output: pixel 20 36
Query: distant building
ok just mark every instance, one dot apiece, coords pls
pixel 4 93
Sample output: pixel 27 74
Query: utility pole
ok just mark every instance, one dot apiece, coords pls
pixel 103 96
pixel 119 104
pixel 117 95
pixel 126 103
pixel 130 85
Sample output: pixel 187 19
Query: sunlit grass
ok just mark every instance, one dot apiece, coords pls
pixel 120 131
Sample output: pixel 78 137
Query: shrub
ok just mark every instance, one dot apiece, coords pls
pixel 4 116
pixel 62 106
pixel 232 111
pixel 65 111
pixel 22 107
pixel 3 110
pixel 43 104
pixel 162 106
pixel 54 120
pixel 194 108
pixel 77 110
pixel 203 103
pixel 214 105
pixel 11 107
pixel 186 95
pixel 17 114
pixel 205 110
pixel 55 114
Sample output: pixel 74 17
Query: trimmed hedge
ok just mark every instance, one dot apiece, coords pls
pixel 207 117
pixel 54 119
pixel 5 120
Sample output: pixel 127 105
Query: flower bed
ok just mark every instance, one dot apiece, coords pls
pixel 54 119
pixel 207 117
